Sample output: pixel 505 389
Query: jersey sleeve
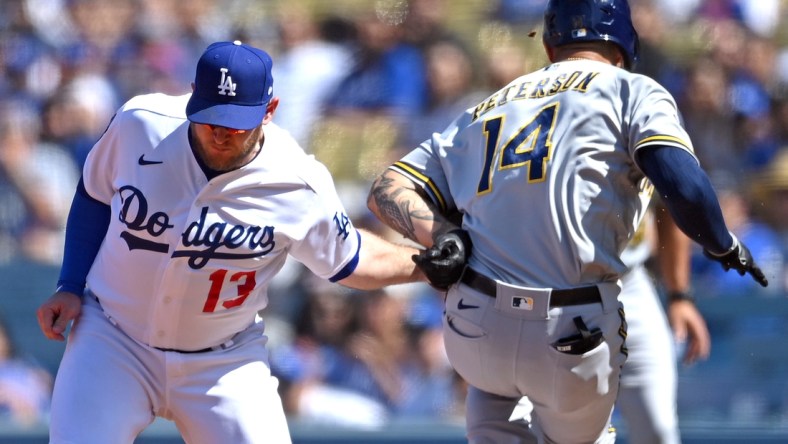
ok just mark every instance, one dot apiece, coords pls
pixel 424 166
pixel 101 163
pixel 655 118
pixel 329 245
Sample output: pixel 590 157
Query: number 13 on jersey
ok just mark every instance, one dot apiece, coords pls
pixel 244 281
pixel 530 147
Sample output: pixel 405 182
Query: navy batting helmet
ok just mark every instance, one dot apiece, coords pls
pixel 572 21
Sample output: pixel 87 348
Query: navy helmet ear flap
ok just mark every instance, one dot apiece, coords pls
pixel 572 21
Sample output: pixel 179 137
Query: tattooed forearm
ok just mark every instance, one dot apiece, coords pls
pixel 394 210
pixel 403 206
pixel 397 217
pixel 399 207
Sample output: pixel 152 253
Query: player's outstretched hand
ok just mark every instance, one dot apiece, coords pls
pixel 444 262
pixel 740 259
pixel 55 314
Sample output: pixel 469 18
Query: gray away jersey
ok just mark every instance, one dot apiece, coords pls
pixel 543 171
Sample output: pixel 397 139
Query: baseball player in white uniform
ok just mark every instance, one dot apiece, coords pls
pixel 647 396
pixel 187 208
pixel 552 175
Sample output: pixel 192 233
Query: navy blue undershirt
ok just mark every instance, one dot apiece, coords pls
pixel 688 194
pixel 86 227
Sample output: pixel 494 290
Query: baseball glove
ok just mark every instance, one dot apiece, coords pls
pixel 444 262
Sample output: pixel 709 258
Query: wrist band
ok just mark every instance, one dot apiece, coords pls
pixel 733 247
pixel 687 295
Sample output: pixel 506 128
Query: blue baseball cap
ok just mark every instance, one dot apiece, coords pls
pixel 232 86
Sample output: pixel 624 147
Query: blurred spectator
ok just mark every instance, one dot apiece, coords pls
pixel 25 388
pixel 100 36
pixel 383 365
pixel 440 392
pixel 77 115
pixel 719 10
pixel 48 18
pixel 506 54
pixel 425 23
pixel 307 70
pixel 452 80
pixel 28 71
pixel 158 62
pixel 749 62
pixel 760 58
pixel 519 11
pixel 675 11
pixel 708 117
pixel 387 76
pixel 307 367
pixel 751 89
pixel 654 61
pixel 770 203
pixel 35 183
pixel 726 42
pixel 362 359
pixel 396 357
pixel 780 115
pixel 764 242
pixel 372 105
pixel 172 34
pixel 759 16
pixel 200 22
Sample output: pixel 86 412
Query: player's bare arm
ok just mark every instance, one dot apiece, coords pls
pixel 57 312
pixel 688 325
pixel 382 263
pixel 396 201
pixel 674 251
pixel 686 321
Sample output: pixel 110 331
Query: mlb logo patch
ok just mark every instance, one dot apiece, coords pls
pixel 523 303
pixel 579 33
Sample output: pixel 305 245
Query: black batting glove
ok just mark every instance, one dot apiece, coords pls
pixel 740 259
pixel 444 262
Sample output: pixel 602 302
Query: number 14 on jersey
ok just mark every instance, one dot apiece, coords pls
pixel 530 147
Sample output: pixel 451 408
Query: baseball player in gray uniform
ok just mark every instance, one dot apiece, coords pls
pixel 647 393
pixel 188 206
pixel 551 176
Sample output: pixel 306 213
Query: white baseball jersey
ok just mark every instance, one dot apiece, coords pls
pixel 543 171
pixel 647 394
pixel 186 261
pixel 641 247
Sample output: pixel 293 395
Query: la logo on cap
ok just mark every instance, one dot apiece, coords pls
pixel 226 86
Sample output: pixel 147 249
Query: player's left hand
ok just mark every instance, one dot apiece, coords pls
pixel 689 328
pixel 444 262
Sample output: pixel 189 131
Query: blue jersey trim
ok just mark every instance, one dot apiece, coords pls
pixel 350 267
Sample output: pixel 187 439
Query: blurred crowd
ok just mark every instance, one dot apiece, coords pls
pixel 361 82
